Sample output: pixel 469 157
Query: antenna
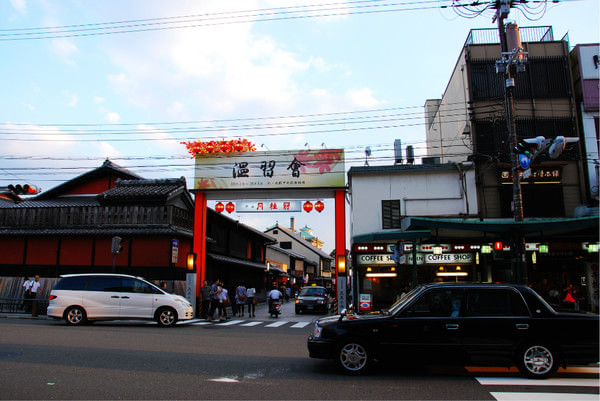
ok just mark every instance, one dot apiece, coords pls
pixel 367 155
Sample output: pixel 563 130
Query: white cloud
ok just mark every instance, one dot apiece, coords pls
pixel 363 98
pixel 73 101
pixel 19 5
pixel 65 49
pixel 98 100
pixel 112 117
pixel 35 141
pixel 107 150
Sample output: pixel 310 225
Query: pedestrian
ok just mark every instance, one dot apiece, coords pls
pixel 251 301
pixel 205 294
pixel 34 288
pixel 224 302
pixel 26 293
pixel 288 293
pixel 240 299
pixel 215 295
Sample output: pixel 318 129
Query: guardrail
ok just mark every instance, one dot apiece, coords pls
pixel 24 306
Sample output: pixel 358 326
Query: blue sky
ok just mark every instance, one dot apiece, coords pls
pixel 69 102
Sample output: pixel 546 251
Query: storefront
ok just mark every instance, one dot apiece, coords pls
pixel 558 254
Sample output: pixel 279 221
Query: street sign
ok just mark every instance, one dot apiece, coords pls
pixel 524 161
pixel 175 251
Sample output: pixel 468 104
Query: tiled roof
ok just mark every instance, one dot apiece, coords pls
pixel 151 230
pixel 135 190
pixel 71 201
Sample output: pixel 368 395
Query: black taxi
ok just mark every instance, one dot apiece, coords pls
pixel 461 324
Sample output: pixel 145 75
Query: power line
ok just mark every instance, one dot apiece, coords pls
pixel 223 18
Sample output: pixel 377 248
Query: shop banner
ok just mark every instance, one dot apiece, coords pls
pixel 422 258
pixel 289 169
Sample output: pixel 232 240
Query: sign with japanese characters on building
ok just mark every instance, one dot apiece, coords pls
pixel 290 169
pixel 544 174
pixel 268 206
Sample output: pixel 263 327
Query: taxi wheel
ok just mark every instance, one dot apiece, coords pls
pixel 537 361
pixel 166 316
pixel 354 357
pixel 75 316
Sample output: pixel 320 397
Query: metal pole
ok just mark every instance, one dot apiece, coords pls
pixel 518 268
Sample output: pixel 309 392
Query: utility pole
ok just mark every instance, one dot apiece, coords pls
pixel 512 57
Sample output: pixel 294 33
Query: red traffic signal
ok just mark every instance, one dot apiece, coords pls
pixel 26 189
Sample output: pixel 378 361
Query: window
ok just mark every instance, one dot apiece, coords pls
pixel 496 303
pixel 437 303
pixel 108 284
pixel 76 283
pixel 390 212
pixel 133 285
pixel 285 245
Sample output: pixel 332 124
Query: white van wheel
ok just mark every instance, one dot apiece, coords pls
pixel 75 316
pixel 166 316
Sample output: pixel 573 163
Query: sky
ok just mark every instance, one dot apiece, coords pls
pixel 129 80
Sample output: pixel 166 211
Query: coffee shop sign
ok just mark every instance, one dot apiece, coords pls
pixel 422 258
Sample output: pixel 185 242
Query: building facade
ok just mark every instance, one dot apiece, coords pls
pixel 406 229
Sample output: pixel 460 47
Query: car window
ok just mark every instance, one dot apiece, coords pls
pixel 312 292
pixel 137 286
pixel 76 283
pixel 439 302
pixel 488 302
pixel 109 284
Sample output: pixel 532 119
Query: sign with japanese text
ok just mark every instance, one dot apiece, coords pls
pixel 543 174
pixel 268 206
pixel 290 169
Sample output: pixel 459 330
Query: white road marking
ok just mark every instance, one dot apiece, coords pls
pixel 300 325
pixel 250 324
pixel 225 380
pixel 231 323
pixel 277 324
pixel 544 396
pixel 518 381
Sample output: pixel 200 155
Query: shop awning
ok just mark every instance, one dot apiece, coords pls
pixel 395 235
pixel 240 262
pixel 478 227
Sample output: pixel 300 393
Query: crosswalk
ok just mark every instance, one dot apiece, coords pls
pixel 249 323
pixel 573 384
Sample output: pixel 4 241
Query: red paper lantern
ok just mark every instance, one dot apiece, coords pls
pixel 210 147
pixel 319 206
pixel 230 207
pixel 238 146
pixel 219 207
pixel 307 206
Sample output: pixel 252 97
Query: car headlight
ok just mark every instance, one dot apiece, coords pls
pixel 299 301
pixel 317 331
pixel 320 301
pixel 183 302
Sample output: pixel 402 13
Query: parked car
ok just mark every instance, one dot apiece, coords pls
pixel 312 299
pixel 461 324
pixel 81 298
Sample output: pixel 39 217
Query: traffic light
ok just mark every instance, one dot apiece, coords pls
pixel 116 245
pixel 26 189
pixel 559 144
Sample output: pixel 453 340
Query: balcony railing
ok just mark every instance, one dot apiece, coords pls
pixel 490 36
pixel 94 216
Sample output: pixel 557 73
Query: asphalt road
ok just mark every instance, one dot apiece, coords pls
pixel 241 359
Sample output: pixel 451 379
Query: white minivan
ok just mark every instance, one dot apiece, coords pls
pixel 81 298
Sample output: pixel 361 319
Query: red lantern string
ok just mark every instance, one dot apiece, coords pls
pixel 307 206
